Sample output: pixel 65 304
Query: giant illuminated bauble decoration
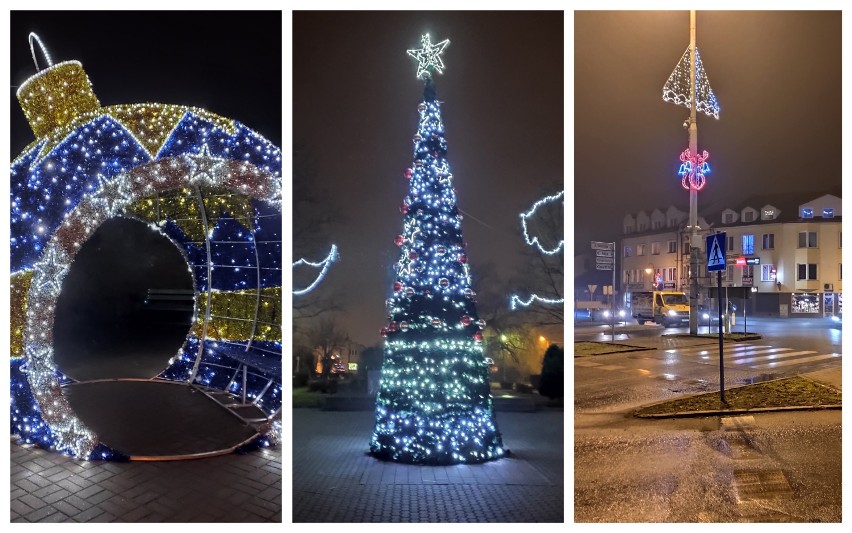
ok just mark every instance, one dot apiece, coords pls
pixel 208 183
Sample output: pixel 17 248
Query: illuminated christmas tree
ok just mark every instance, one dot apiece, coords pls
pixel 434 404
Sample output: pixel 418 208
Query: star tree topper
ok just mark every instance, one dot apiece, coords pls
pixel 429 57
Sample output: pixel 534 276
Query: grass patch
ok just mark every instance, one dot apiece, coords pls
pixel 600 348
pixel 790 392
pixel 303 398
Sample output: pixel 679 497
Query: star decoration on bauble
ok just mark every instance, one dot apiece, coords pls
pixel 204 167
pixel 113 195
pixel 429 57
pixel 50 271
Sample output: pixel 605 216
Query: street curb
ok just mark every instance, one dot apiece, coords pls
pixel 697 414
pixel 633 349
pixel 693 414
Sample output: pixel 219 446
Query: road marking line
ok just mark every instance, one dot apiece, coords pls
pixel 699 349
pixel 586 363
pixel 771 356
pixel 797 361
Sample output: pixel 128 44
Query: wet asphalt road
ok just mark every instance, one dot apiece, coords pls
pixel 631 470
pixel 778 467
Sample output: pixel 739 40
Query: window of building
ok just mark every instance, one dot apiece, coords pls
pixel 672 247
pixel 807 239
pixel 768 241
pixel 728 273
pixel 728 218
pixel 768 214
pixel 671 274
pixel 730 243
pixel 828 212
pixel 629 229
pixel 628 251
pixel 806 271
pixel 640 249
pixel 840 239
pixel 767 273
pixel 641 227
pixel 655 248
pixel 748 216
pixel 839 270
pixel 807 212
pixel 748 244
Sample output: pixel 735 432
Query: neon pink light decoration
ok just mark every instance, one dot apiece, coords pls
pixel 693 167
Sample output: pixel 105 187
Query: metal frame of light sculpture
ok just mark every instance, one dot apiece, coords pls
pixel 514 300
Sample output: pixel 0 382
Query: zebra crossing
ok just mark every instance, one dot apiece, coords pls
pixel 755 356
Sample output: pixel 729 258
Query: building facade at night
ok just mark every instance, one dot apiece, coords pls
pixel 786 248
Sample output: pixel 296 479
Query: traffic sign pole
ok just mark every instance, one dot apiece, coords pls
pixel 721 341
pixel 716 262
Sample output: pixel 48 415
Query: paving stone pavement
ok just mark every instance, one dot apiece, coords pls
pixel 51 487
pixel 334 480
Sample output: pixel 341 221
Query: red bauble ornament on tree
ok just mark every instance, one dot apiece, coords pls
pixel 384 332
pixel 403 209
pixel 462 259
pixel 408 173
pixel 392 327
pixel 397 286
pixel 477 336
pixel 412 255
pixel 399 240
pixel 466 320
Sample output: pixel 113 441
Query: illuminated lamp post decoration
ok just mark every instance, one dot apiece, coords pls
pixel 693 168
pixel 689 86
pixel 434 404
pixel 207 183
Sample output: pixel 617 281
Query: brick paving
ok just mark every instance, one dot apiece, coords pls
pixel 50 487
pixel 334 480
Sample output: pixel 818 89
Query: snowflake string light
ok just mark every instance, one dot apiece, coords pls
pixel 534 241
pixel 324 265
pixel 515 301
pixel 429 57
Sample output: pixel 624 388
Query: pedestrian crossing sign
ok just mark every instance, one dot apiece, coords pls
pixel 716 252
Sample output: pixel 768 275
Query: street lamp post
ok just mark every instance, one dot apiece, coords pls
pixel 688 86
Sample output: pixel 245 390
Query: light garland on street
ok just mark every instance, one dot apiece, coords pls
pixel 676 90
pixel 693 168
pixel 533 241
pixel 324 265
pixel 515 301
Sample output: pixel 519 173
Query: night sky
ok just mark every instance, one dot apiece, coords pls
pixel 776 75
pixel 173 57
pixel 355 98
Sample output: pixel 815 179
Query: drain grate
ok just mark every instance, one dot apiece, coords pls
pixel 753 484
